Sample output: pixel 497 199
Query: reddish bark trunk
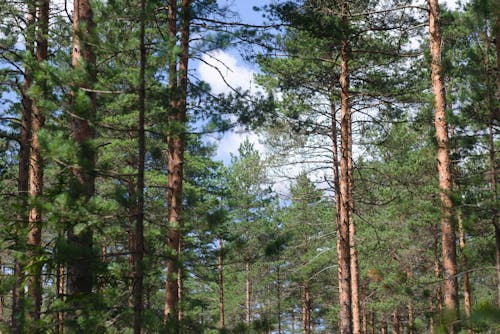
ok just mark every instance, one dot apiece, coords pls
pixel 306 310
pixel 450 285
pixel 177 118
pixel 36 170
pixel 395 322
pixel 343 234
pixel 80 276
pixel 17 314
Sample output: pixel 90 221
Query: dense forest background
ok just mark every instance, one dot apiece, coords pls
pixel 369 206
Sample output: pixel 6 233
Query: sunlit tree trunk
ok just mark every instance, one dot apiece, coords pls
pixel 36 167
pixel 449 257
pixel 383 326
pixel 177 117
pixel 17 314
pixel 395 322
pixel 343 234
pixel 174 166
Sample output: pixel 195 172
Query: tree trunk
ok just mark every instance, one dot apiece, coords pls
pixel 177 118
pixel 450 286
pixel 364 319
pixel 278 290
pixel 395 322
pixel 293 320
pixel 372 323
pixel 411 318
pixel 356 314
pixel 139 224
pixel 220 267
pixel 59 329
pixel 80 276
pixel 496 223
pixel 343 234
pixel 17 314
pixel 248 310
pixel 383 326
pixel 36 170
pixel 306 309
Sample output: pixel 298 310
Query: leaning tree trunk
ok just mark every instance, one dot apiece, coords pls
pixel 80 275
pixel 343 235
pixel 450 285
pixel 36 164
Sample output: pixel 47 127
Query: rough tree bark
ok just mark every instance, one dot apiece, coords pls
pixel 355 291
pixel 450 285
pixel 343 234
pixel 80 276
pixel 178 81
pixel 36 167
pixel 174 162
pixel 306 310
pixel 17 314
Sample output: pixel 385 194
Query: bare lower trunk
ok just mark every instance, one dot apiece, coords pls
pixel 175 140
pixel 464 265
pixel 293 320
pixel 450 285
pixel 306 310
pixel 343 234
pixel 383 326
pixel 395 322
pixel 355 291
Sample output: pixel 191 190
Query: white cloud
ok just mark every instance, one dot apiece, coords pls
pixel 220 69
